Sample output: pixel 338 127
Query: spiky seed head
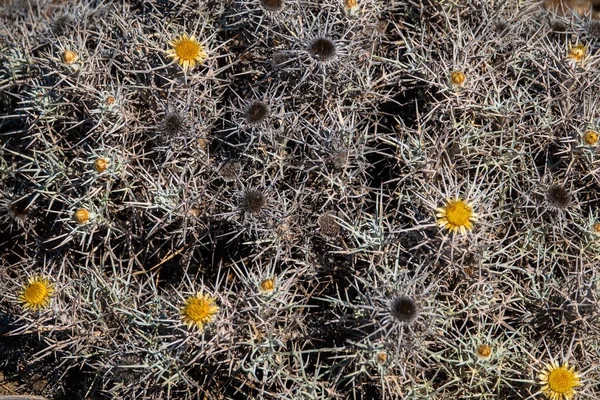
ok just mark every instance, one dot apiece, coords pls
pixel 338 159
pixel 329 226
pixel 558 382
pixel 404 309
pixel 253 201
pixel 61 24
pixel 558 25
pixel 18 209
pixel 272 5
pixel 322 49
pixel 267 285
pixel 69 57
pixel 458 78
pixel 279 58
pixel 484 351
pixel 187 51
pixel 198 310
pixel 81 216
pixel 558 196
pixel 590 137
pixel 173 123
pixel 230 171
pixel 36 294
pixel 577 52
pixel 100 165
pixel 256 112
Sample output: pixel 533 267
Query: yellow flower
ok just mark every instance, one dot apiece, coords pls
pixel 267 285
pixel 69 57
pixel 456 215
pixel 81 216
pixel 187 50
pixel 458 78
pixel 590 137
pixel 558 381
pixel 484 351
pixel 199 310
pixel 577 52
pixel 36 293
pixel 101 164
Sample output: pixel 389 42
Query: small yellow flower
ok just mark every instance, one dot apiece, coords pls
pixel 351 6
pixel 381 357
pixel 456 215
pixel 199 310
pixel 558 381
pixel 81 216
pixel 458 78
pixel 484 351
pixel 69 57
pixel 267 285
pixel 590 137
pixel 577 52
pixel 36 293
pixel 187 51
pixel 100 165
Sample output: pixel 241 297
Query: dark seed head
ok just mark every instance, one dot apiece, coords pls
pixel 256 112
pixel 62 24
pixel 322 49
pixel 279 58
pixel 18 209
pixel 338 159
pixel 558 26
pixel 558 196
pixel 404 309
pixel 329 226
pixel 272 5
pixel 230 170
pixel 253 201
pixel 173 123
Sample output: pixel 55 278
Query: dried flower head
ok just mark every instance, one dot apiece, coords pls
pixel 81 216
pixel 253 201
pixel 69 57
pixel 329 226
pixel 456 215
pixel 458 78
pixel 558 196
pixel 18 209
pixel 187 51
pixel 322 49
pixel 257 111
pixel 230 171
pixel 100 165
pixel 590 137
pixel 36 293
pixel 558 382
pixel 577 52
pixel 404 309
pixel 198 310
pixel 272 5
pixel 484 351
